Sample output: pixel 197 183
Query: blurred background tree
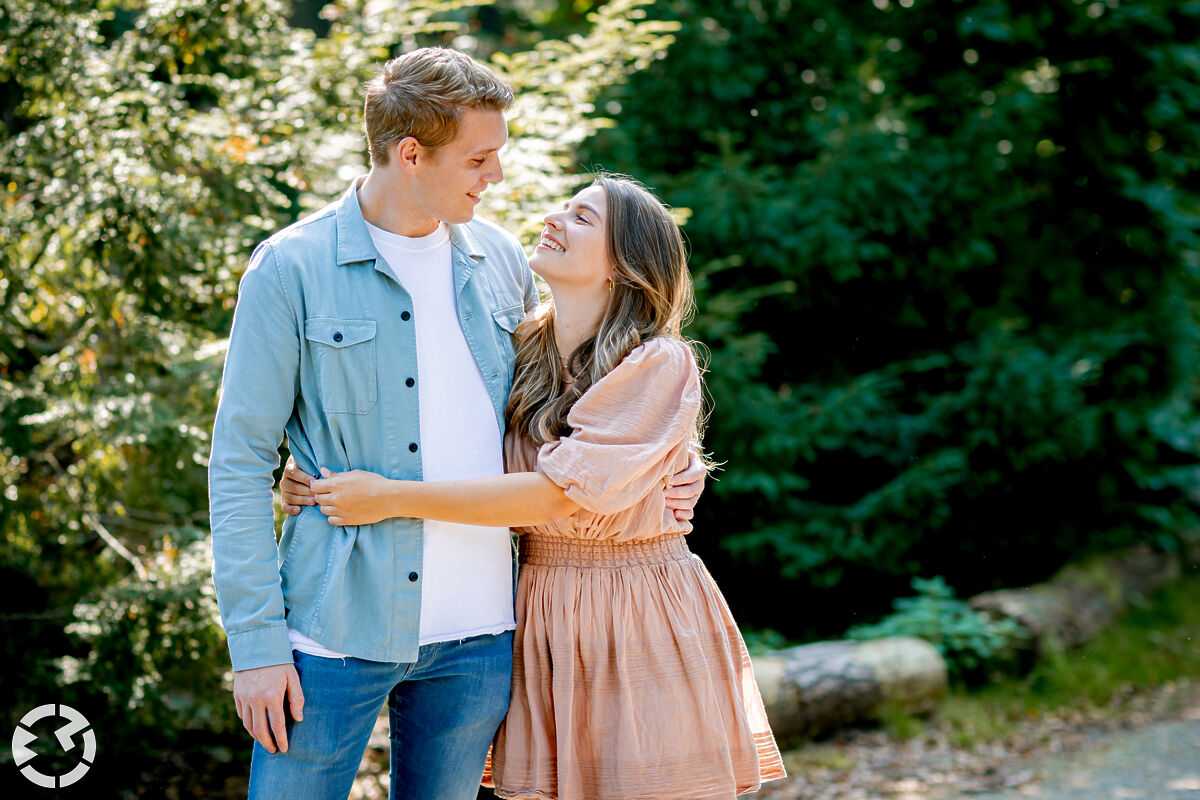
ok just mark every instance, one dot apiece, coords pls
pixel 946 257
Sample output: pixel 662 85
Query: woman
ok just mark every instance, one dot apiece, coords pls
pixel 630 679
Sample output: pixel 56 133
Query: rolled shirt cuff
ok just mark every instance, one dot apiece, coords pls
pixel 260 647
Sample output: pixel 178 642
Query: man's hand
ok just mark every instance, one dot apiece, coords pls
pixel 685 488
pixel 258 695
pixel 356 497
pixel 294 491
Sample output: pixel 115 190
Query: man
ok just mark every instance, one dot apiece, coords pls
pixel 377 333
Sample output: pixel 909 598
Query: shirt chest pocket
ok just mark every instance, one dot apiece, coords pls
pixel 343 358
pixel 507 320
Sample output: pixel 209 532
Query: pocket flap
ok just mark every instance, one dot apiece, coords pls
pixel 339 332
pixel 509 318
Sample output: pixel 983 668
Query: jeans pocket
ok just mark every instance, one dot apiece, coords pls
pixel 343 356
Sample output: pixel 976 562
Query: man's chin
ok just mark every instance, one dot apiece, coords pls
pixel 461 218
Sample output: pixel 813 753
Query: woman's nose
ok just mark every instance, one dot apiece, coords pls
pixel 551 221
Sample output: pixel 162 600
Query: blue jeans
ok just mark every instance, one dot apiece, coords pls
pixel 444 709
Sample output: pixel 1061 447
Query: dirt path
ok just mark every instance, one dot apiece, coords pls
pixel 1144 746
pixel 1159 762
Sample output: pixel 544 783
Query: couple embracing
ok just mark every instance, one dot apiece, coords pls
pixel 432 405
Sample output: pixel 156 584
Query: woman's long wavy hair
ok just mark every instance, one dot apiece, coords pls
pixel 651 297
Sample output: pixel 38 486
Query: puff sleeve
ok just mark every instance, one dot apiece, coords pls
pixel 627 429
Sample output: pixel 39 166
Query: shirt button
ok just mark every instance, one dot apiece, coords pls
pixel 337 336
pixel 412 447
pixel 410 383
pixel 412 576
pixel 405 316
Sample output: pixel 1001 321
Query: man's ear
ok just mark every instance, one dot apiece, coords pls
pixel 407 151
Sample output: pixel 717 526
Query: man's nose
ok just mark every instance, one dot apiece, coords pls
pixel 495 174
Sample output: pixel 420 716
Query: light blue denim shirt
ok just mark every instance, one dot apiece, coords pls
pixel 322 348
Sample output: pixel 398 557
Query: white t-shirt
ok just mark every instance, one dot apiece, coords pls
pixel 466 587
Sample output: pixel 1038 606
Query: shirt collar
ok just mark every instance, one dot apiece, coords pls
pixel 354 245
pixel 464 241
pixel 354 240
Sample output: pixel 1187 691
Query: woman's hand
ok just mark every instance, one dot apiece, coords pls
pixel 356 497
pixel 685 487
pixel 294 492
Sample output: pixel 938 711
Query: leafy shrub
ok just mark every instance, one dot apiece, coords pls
pixel 764 640
pixel 154 648
pixel 972 643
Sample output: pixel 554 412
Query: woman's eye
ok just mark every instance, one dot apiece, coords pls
pixel 582 219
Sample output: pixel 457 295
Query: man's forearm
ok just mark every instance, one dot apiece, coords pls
pixel 245 556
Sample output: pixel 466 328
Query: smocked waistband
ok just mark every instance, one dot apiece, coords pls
pixel 552 551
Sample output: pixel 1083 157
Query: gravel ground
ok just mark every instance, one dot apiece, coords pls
pixel 1156 763
pixel 1144 746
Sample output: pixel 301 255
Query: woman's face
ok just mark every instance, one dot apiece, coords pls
pixel 573 251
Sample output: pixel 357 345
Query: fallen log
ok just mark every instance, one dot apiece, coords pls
pixel 816 688
pixel 1081 599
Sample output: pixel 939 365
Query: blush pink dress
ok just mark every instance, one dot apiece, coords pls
pixel 630 679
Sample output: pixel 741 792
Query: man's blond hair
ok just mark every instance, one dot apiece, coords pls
pixel 422 94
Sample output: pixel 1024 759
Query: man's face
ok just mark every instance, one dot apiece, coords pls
pixel 451 178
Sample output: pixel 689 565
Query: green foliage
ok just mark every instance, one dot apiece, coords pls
pixel 946 259
pixel 145 150
pixel 556 83
pixel 152 647
pixel 973 644
pixel 764 640
pixel 1152 644
pixel 899 722
pixel 1148 647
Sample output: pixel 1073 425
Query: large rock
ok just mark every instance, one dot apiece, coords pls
pixel 816 688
